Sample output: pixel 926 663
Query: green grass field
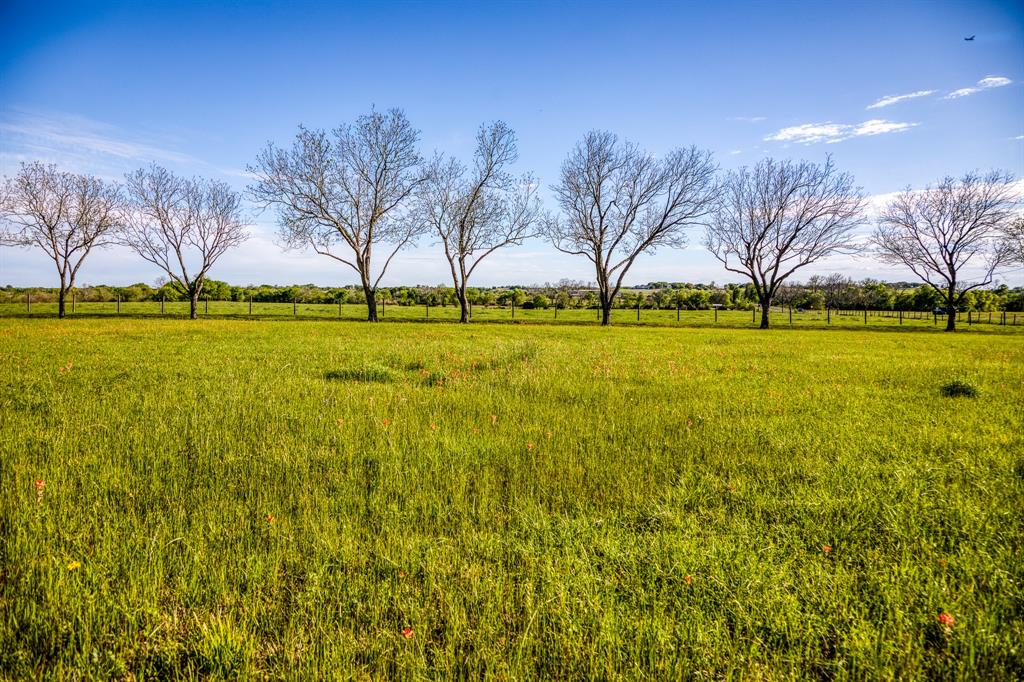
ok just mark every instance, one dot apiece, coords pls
pixel 299 499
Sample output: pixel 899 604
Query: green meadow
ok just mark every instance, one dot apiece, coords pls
pixel 324 498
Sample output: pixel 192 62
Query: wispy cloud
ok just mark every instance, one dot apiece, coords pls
pixel 1018 137
pixel 889 100
pixel 746 119
pixel 79 144
pixel 828 132
pixel 986 83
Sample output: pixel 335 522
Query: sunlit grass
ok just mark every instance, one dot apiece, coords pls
pixel 226 497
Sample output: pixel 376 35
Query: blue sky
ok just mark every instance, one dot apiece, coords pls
pixel 200 87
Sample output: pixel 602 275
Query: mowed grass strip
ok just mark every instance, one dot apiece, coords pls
pixel 335 499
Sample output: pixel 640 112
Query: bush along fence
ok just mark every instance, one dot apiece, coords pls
pixel 249 307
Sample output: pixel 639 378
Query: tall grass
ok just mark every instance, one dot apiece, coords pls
pixel 331 499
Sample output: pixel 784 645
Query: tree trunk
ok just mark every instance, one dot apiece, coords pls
pixel 460 293
pixel 765 307
pixel 193 305
pixel 606 313
pixel 951 310
pixel 371 303
pixel 61 299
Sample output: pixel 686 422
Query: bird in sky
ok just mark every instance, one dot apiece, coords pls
pixel 969 39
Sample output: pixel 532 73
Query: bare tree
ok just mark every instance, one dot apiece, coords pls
pixel 619 202
pixel 181 225
pixel 831 286
pixel 942 232
pixel 477 211
pixel 64 214
pixel 346 189
pixel 775 218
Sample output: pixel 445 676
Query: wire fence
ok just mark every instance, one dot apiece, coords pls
pixel 779 316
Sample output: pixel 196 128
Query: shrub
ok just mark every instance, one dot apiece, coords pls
pixel 958 389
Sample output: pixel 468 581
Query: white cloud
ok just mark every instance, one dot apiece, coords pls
pixel 734 152
pixel 1019 137
pixel 993 82
pixel 810 133
pixel 747 119
pixel 986 83
pixel 893 99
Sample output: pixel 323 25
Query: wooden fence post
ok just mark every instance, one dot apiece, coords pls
pixel 28 302
pixel 901 316
pixel 207 305
pixel 829 313
pixel 119 304
pixel 250 304
pixel 677 312
pixel 73 297
pixel 162 299
pixel 865 315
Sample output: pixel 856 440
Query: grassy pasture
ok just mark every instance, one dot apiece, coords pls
pixel 273 498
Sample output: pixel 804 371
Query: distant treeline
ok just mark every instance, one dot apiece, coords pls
pixel 816 294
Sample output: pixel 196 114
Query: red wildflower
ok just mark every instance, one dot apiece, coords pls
pixel 433 427
pixel 687 579
pixel 40 484
pixel 401 574
pixel 407 633
pixel 270 518
pixel 826 548
pixel 387 422
pixel 946 620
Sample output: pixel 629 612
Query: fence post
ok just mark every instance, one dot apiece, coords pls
pixel 207 305
pixel 250 304
pixel 428 310
pixel 73 297
pixel 829 313
pixel 295 307
pixel 753 315
pixel 677 312
pixel 790 316
pixel 638 311
pixel 28 302
pixel 556 312
pixel 968 317
pixel 383 306
pixel 513 309
pixel 901 316
pixel 162 298
pixel 716 314
pixel 119 304
pixel 865 315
